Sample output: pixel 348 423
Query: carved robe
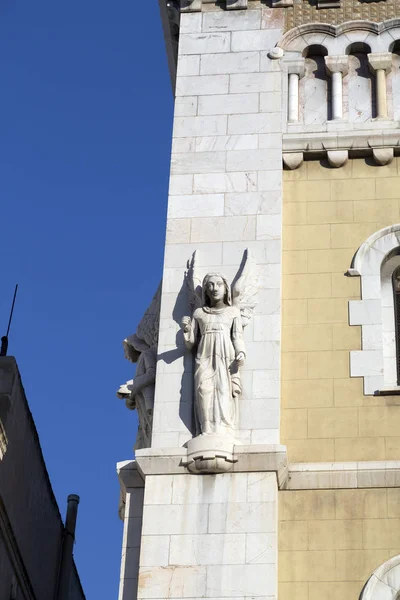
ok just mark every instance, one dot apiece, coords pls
pixel 219 335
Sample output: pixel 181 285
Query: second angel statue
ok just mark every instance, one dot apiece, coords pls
pixel 216 331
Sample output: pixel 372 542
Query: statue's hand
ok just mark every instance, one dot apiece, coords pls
pixel 240 359
pixel 186 324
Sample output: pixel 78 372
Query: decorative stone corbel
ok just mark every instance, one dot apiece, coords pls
pixel 191 5
pixel 236 4
pixel 380 64
pixel 337 158
pixel 276 53
pixel 383 156
pixel 295 69
pixel 293 160
pixel 337 67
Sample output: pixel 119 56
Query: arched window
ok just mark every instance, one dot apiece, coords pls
pixel 359 84
pixel 377 262
pixel 314 86
pixel 396 306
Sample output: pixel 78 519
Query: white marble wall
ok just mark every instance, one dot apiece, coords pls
pixel 209 537
pixel 225 195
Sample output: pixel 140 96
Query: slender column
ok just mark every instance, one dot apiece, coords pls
pixel 337 67
pixel 381 64
pixel 295 72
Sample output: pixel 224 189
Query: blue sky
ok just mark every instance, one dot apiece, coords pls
pixel 86 113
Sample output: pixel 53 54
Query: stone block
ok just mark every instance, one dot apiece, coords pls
pixel 307 237
pixel 269 181
pixel 154 551
pixel 293 535
pixel 158 490
pixel 263 252
pixel 200 126
pixel 294 424
pixel 208 255
pixel 199 162
pixel 231 581
pixel 332 422
pixel 204 43
pixel 202 85
pixel 269 227
pixel 239 62
pixel 261 487
pixel 230 104
pixel 211 183
pixel 267 328
pixel 255 123
pixel 196 205
pixel 253 414
pixel 380 533
pixel 302 394
pixel 270 102
pixel 307 286
pixel 243 41
pixel 188 64
pixel 185 106
pixel 328 310
pixel 335 534
pixel 227 142
pixel 255 82
pixel 172 582
pixel 181 184
pixel 302 565
pixel 326 364
pixel 252 203
pixel 208 489
pixel 190 23
pixel 171 519
pixel 294 262
pixel 242 517
pixel 294 312
pixel 234 21
pixel 261 548
pixel 210 549
pixel 224 229
pixel 254 160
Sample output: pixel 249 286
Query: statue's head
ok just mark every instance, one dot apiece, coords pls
pixel 216 288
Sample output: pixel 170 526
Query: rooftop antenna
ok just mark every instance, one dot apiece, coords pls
pixel 4 339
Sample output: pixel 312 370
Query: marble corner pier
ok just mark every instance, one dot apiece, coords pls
pixel 206 536
pixel 225 195
pixel 215 535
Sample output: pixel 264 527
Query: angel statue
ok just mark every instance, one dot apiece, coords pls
pixel 216 331
pixel 141 348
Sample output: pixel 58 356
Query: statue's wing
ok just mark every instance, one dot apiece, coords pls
pixel 245 287
pixel 149 325
pixel 193 283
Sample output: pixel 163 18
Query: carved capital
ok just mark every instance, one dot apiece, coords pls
pixel 236 4
pixel 191 5
pixel 295 67
pixel 382 61
pixel 337 64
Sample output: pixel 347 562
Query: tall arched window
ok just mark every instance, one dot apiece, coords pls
pixel 396 306
pixel 314 86
pixel 359 84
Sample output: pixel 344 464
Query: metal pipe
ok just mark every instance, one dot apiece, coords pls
pixel 67 547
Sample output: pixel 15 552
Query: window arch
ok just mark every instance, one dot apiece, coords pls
pixel 384 583
pixel 377 262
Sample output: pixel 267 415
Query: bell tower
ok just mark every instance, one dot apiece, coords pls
pixel 268 360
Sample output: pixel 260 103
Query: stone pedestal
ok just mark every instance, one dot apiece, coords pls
pixel 208 536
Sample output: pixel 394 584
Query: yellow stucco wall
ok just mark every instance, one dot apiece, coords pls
pixel 327 214
pixel 330 541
